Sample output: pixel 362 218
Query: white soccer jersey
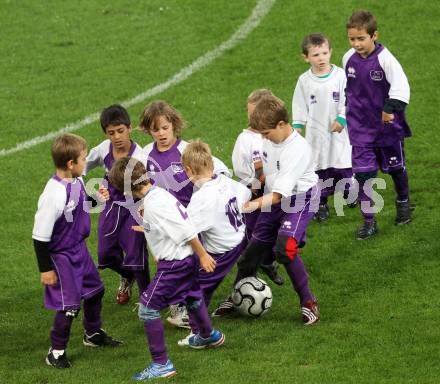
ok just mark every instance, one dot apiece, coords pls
pixel 167 225
pixel 215 210
pixel 219 166
pixel 316 103
pixel 288 166
pixel 247 151
pixel 51 206
pixel 100 156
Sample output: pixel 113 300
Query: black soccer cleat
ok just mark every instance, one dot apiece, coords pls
pixel 271 270
pixel 100 339
pixel 367 230
pixel 323 213
pixel 60 363
pixel 403 212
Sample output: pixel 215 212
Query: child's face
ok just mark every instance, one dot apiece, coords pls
pixel 278 134
pixel 319 58
pixel 361 41
pixel 119 135
pixel 250 108
pixel 163 134
pixel 78 166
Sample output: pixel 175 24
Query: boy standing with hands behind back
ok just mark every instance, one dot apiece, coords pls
pixel 377 93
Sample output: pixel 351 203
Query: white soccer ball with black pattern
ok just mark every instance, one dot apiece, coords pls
pixel 252 296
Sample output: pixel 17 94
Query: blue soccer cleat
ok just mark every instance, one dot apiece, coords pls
pixel 156 370
pixel 213 341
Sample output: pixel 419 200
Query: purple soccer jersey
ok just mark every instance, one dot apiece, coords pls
pixel 77 275
pixel 370 81
pixel 166 171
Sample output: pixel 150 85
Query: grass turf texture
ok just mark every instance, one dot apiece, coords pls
pixel 379 299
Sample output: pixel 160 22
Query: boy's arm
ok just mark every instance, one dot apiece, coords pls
pixel 94 158
pixel 299 107
pixel 48 275
pixel 262 202
pixel 206 261
pixel 340 122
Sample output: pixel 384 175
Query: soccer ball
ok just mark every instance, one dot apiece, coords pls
pixel 252 296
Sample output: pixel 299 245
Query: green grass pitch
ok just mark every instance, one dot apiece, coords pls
pixel 62 61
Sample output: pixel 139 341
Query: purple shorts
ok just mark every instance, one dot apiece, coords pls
pixel 209 281
pixel 287 219
pixel 386 159
pixel 174 282
pixel 337 174
pixel 117 242
pixel 78 279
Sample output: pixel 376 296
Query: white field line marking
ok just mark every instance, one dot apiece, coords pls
pixel 259 12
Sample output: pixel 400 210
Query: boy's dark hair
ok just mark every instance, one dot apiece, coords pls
pixel 128 175
pixel 67 147
pixel 268 112
pixel 114 115
pixel 313 40
pixel 151 113
pixel 363 20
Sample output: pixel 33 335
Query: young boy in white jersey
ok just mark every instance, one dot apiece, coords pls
pixel 215 211
pixel 288 205
pixel 164 124
pixel 248 167
pixel 62 224
pixel 173 241
pixel 119 248
pixel 318 105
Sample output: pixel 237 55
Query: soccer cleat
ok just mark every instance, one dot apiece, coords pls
pixel 185 342
pixel 178 316
pixel 156 370
pixel 367 230
pixel 225 308
pixel 323 213
pixel 213 341
pixel 403 212
pixel 60 362
pixel 100 339
pixel 310 312
pixel 124 291
pixel 271 270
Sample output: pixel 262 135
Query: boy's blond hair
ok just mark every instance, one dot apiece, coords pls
pixel 67 147
pixel 268 112
pixel 257 95
pixel 127 172
pixel 151 113
pixel 197 156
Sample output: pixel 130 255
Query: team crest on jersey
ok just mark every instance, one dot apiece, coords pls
pixel 287 225
pixel 152 170
pixel 335 96
pixel 256 155
pixel 376 75
pixel 351 72
pixel 147 227
pixel 177 167
pixel 265 156
pixel 313 99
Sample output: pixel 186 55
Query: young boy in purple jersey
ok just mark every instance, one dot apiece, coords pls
pixel 318 106
pixel 377 93
pixel 173 241
pixel 119 248
pixel 67 270
pixel 164 166
pixel 289 202
pixel 214 210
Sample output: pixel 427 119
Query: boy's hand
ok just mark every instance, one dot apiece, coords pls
pixel 336 127
pixel 103 194
pixel 249 207
pixel 48 278
pixel 387 118
pixel 137 228
pixel 207 263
